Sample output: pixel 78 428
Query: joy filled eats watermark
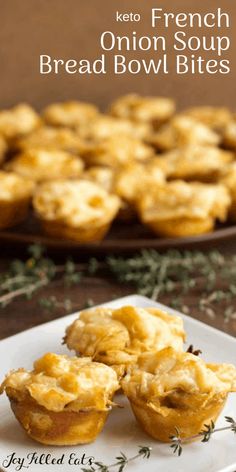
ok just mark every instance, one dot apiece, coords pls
pixel 198 42
pixel 20 463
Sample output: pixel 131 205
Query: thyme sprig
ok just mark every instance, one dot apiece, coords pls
pixel 121 461
pixel 176 274
pixel 171 277
pixel 176 445
pixel 24 278
pixel 205 435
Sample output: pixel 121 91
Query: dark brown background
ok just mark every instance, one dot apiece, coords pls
pixel 71 29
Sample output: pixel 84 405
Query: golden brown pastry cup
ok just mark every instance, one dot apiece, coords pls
pixel 65 428
pixel 189 422
pixel 59 230
pixel 13 212
pixel 182 227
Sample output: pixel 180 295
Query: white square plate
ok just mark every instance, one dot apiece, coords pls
pixel 121 432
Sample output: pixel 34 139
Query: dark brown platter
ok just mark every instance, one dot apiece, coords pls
pixel 123 238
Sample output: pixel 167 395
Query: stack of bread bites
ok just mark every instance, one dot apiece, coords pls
pixel 81 170
pixel 65 400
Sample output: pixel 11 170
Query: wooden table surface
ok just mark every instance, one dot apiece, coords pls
pixel 23 314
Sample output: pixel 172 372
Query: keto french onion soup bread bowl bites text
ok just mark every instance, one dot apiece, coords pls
pixel 171 389
pixel 78 210
pixel 117 336
pixel 63 400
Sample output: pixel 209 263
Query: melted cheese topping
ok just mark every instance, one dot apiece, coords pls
pixel 14 187
pixel 117 151
pixel 183 130
pixel 143 109
pixel 117 336
pixel 214 117
pixel 52 138
pixel 136 179
pixel 19 120
pixel 42 164
pixel 59 382
pixel 194 161
pixel 179 199
pixel 175 376
pixel 75 203
pixel 105 126
pixel 71 113
pixel 103 176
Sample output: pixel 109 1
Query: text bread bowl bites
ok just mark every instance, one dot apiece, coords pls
pixel 153 110
pixel 117 336
pixel 18 121
pixel 63 400
pixel 181 209
pixel 78 210
pixel 15 196
pixel 171 390
pixel 69 114
pixel 41 164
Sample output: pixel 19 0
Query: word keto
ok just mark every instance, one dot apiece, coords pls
pixel 124 17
